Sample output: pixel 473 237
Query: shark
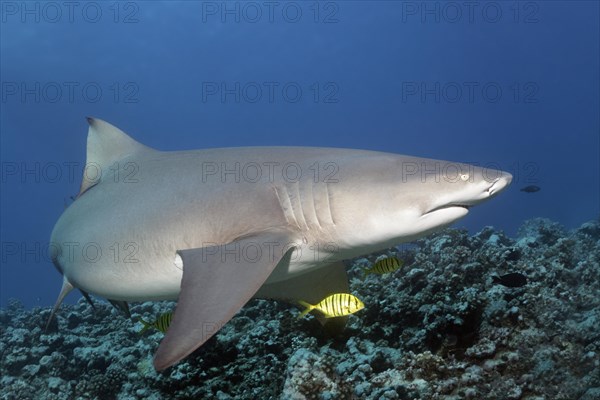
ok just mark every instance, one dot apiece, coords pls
pixel 214 228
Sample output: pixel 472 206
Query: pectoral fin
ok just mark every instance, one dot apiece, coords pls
pixel 217 281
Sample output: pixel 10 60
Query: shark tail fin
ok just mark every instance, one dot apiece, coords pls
pixel 66 288
pixel 309 308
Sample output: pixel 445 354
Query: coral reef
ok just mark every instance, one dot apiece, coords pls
pixel 438 328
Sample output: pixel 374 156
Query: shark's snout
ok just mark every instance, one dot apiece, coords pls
pixel 474 193
pixel 499 184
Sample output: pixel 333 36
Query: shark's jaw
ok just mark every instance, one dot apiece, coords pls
pixel 411 220
pixel 462 202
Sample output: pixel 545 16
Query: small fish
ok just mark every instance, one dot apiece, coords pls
pixel 530 189
pixel 335 305
pixel 161 324
pixel 384 266
pixel 514 279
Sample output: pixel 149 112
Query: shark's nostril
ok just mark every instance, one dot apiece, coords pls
pixel 499 184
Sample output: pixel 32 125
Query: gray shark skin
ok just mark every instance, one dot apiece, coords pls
pixel 214 228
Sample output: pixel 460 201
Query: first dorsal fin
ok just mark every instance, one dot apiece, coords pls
pixel 106 144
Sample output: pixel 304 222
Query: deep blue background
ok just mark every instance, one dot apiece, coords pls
pixel 544 56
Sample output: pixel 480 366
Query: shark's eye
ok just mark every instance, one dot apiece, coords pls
pixel 464 177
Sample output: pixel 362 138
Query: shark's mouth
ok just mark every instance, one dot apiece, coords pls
pixel 443 215
pixel 447 207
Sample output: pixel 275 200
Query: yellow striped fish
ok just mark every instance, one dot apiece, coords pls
pixel 384 266
pixel 161 324
pixel 336 305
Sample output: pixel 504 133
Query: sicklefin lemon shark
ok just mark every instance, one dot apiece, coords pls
pixel 214 228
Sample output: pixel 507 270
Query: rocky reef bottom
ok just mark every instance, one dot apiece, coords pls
pixel 438 328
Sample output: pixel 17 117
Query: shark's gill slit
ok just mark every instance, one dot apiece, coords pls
pixel 329 208
pixel 296 199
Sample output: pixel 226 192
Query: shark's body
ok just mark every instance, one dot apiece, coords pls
pixel 217 227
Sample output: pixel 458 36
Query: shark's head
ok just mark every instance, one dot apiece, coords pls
pixel 452 189
pixel 412 197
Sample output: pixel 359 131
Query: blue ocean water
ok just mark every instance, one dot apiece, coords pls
pixel 512 85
